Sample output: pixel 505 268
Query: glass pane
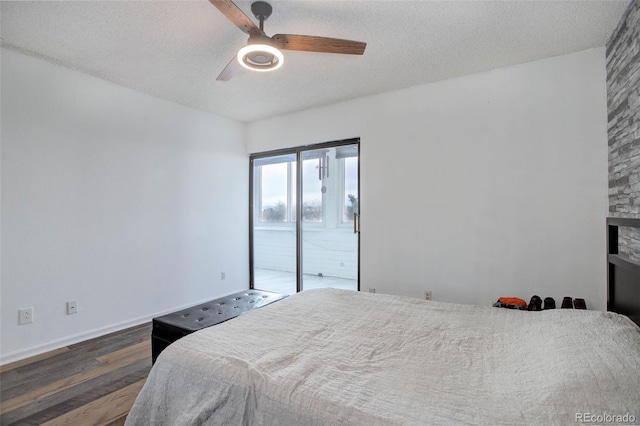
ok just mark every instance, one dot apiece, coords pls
pixel 312 195
pixel 350 189
pixel 274 232
pixel 273 197
pixel 294 191
pixel 329 245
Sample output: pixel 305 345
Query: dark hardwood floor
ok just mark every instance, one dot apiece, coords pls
pixel 90 383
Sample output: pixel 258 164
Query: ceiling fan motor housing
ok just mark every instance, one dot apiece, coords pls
pixel 258 57
pixel 263 56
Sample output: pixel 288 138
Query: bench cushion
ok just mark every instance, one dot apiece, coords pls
pixel 171 327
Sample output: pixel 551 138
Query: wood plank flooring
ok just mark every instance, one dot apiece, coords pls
pixel 90 383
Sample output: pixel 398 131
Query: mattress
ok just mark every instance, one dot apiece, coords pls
pixel 336 357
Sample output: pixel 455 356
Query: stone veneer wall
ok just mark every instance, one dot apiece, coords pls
pixel 623 104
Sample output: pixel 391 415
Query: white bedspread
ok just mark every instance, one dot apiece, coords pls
pixel 329 357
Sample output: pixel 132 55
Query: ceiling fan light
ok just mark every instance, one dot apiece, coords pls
pixel 260 57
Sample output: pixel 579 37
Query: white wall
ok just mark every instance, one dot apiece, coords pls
pixel 483 186
pixel 127 204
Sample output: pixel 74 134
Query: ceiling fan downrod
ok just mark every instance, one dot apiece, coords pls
pixel 261 10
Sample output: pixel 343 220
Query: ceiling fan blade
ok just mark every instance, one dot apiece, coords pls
pixel 318 44
pixel 235 15
pixel 230 70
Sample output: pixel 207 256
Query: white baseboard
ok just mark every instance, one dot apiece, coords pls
pixel 81 337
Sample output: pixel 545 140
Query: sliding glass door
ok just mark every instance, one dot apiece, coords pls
pixel 273 233
pixel 329 201
pixel 322 248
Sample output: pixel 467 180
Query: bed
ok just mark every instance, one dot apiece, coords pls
pixel 337 357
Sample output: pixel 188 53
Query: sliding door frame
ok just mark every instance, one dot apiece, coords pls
pixel 298 152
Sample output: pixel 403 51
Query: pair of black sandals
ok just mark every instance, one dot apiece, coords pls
pixel 549 303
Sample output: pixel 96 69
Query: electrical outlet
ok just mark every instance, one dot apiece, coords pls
pixel 72 308
pixel 25 316
pixel 427 295
pixel 223 276
pixel 372 290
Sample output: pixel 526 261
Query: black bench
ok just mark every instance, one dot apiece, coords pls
pixel 171 327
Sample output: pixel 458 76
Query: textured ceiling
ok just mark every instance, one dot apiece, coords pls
pixel 175 50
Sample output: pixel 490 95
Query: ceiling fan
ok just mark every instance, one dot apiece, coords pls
pixel 262 53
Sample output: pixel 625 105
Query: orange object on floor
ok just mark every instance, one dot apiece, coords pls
pixel 513 301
